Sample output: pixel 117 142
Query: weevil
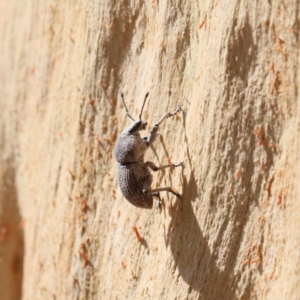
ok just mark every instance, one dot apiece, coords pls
pixel 133 173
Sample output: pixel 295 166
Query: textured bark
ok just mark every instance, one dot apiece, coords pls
pixel 234 65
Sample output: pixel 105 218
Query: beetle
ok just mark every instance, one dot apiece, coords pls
pixel 133 173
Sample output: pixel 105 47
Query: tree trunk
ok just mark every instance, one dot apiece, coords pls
pixel 233 65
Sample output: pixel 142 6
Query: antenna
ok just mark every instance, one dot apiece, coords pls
pixel 140 115
pixel 128 114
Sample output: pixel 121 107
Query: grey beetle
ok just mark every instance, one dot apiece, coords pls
pixel 134 175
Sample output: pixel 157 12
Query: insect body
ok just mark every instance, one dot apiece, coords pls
pixel 134 175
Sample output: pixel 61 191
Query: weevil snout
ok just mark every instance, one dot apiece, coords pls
pixel 143 125
pixel 138 126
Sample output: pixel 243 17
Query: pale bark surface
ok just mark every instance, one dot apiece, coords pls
pixel 234 65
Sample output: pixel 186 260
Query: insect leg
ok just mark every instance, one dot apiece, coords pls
pixel 163 189
pixel 151 136
pixel 154 130
pixel 154 168
pixel 167 115
pixel 159 202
